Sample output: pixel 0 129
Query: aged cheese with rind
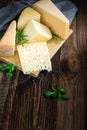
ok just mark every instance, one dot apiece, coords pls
pixel 26 15
pixel 52 17
pixel 7 43
pixel 34 57
pixel 37 32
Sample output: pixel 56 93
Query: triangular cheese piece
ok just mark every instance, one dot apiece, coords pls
pixel 26 16
pixel 37 32
pixel 52 17
pixel 7 43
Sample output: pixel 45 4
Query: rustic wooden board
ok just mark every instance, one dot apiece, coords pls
pixel 53 47
pixel 27 109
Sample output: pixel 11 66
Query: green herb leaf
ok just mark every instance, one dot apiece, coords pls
pixel 56 37
pixel 8 69
pixel 61 90
pixel 50 94
pixel 20 37
pixel 65 97
pixel 59 94
pixel 53 87
pixel 9 74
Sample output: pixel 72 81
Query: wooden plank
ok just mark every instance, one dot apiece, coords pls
pixel 53 47
pixel 27 109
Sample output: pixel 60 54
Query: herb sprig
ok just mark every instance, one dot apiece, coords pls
pixel 59 93
pixel 56 37
pixel 20 37
pixel 8 69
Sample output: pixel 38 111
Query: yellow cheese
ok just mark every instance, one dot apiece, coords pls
pixel 37 32
pixel 7 43
pixel 52 17
pixel 26 15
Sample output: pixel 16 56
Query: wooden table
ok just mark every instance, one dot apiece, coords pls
pixel 27 109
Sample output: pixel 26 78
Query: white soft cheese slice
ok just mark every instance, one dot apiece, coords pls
pixel 7 43
pixel 34 57
pixel 37 32
pixel 26 15
pixel 52 17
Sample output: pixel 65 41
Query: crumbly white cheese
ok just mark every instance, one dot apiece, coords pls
pixel 34 57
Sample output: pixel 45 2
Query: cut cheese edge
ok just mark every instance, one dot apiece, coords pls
pixel 37 32
pixel 34 57
pixel 52 17
pixel 7 43
pixel 53 47
pixel 26 15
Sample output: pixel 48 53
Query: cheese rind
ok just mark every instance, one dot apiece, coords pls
pixel 52 17
pixel 37 32
pixel 26 15
pixel 34 57
pixel 7 43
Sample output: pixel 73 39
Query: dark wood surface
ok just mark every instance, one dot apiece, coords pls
pixel 25 108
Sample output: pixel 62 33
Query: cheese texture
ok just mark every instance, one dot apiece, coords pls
pixel 37 32
pixel 26 15
pixel 52 17
pixel 7 43
pixel 34 57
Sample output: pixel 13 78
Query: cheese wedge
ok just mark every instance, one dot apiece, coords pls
pixel 7 43
pixel 26 15
pixel 34 57
pixel 37 32
pixel 52 17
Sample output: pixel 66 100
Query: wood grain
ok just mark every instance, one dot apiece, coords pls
pixel 53 46
pixel 27 109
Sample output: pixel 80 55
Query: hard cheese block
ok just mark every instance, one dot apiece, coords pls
pixel 34 57
pixel 26 15
pixel 52 17
pixel 7 43
pixel 53 47
pixel 37 32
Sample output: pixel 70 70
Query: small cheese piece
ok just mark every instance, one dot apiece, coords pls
pixel 34 57
pixel 7 43
pixel 52 17
pixel 37 32
pixel 26 15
